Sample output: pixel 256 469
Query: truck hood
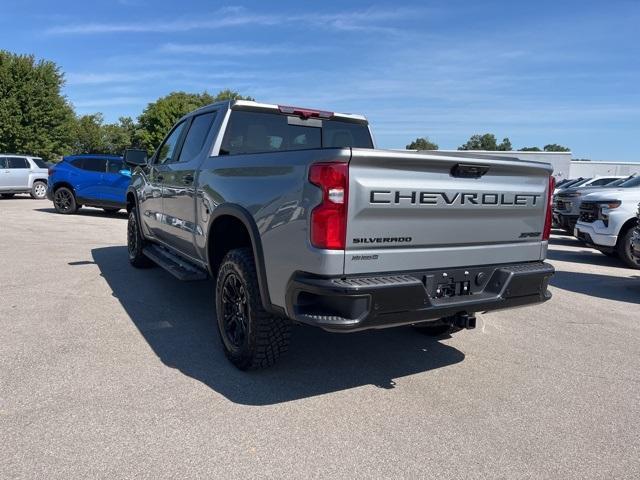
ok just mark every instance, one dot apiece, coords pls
pixel 583 190
pixel 623 194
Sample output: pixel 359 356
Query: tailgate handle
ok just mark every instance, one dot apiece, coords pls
pixel 466 170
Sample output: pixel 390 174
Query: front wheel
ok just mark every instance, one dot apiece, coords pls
pixel 64 201
pixel 251 337
pixel 39 190
pixel 625 250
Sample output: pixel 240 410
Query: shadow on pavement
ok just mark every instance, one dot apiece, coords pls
pixel 568 241
pixel 89 212
pixel 621 289
pixel 176 319
pixel 589 257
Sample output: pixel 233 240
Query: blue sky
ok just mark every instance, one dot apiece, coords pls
pixel 538 71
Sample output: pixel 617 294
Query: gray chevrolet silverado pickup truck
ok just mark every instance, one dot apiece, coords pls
pixel 301 220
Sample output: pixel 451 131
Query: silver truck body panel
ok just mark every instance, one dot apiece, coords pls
pixel 406 211
pixel 274 189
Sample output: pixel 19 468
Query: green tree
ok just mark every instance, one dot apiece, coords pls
pixel 486 142
pixel 119 136
pixel 35 117
pixel 554 147
pixel 530 149
pixel 422 143
pixel 505 145
pixel 88 134
pixel 159 116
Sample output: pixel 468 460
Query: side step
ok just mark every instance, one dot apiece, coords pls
pixel 175 265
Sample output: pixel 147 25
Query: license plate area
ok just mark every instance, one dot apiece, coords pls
pixel 452 283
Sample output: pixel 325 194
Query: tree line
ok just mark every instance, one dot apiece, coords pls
pixel 36 118
pixel 487 141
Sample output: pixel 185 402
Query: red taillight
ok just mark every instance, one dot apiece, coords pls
pixel 50 171
pixel 304 112
pixel 329 219
pixel 548 220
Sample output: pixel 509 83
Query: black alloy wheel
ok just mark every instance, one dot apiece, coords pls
pixel 235 311
pixel 64 201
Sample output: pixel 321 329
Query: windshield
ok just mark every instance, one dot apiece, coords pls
pixel 620 181
pixel 580 182
pixel 632 182
pixel 570 183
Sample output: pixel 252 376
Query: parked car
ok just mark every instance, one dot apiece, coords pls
pixel 566 203
pixel 608 219
pixel 635 238
pixel 300 219
pixel 569 183
pixel 23 174
pixel 90 180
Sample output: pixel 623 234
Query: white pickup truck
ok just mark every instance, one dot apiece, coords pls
pixel 607 221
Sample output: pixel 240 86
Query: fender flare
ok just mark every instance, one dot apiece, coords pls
pixel 242 214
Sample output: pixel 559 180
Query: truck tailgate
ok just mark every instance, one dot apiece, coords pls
pixel 412 211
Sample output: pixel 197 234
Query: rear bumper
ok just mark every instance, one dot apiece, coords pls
pixel 359 302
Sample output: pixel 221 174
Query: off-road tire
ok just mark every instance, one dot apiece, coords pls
pixel 39 190
pixel 624 250
pixel 266 336
pixel 64 201
pixel 135 243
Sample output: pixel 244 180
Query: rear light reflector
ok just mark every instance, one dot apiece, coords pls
pixel 329 219
pixel 304 112
pixel 548 220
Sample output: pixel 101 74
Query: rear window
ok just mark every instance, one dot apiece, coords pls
pixel 258 132
pixel 40 163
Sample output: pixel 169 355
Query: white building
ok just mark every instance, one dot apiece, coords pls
pixel 564 167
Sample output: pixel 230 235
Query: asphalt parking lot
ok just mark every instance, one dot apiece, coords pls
pixel 111 372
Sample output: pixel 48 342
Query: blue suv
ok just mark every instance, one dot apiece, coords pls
pixel 91 180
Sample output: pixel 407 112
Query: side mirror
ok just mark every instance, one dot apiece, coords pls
pixel 135 157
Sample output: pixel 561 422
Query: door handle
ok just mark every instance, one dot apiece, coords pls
pixel 188 179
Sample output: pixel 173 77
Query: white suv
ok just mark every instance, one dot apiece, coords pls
pixel 23 174
pixel 608 219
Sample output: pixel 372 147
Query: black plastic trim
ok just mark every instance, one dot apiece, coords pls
pixel 242 214
pixel 89 202
pixel 353 303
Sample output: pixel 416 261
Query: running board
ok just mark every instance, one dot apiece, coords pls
pixel 175 265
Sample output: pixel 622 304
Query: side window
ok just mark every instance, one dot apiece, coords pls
pixel 17 162
pixel 95 164
pixel 114 166
pixel 3 162
pixel 167 150
pixel 78 163
pixel 194 141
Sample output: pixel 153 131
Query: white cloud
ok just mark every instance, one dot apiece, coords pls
pixel 374 20
pixel 102 102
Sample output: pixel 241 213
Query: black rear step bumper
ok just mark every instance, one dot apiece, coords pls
pixel 352 303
